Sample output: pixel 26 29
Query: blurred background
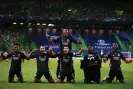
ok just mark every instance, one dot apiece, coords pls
pixel 100 22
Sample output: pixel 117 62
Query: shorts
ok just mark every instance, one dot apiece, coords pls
pixel 92 74
pixel 13 72
pixel 66 74
pixel 39 74
pixel 115 73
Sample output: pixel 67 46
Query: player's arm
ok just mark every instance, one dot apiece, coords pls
pixel 75 41
pixel 32 54
pixel 107 58
pixel 52 40
pixel 124 59
pixel 6 55
pixel 83 62
pixel 79 52
pixel 51 53
pixel 24 56
pixel 99 60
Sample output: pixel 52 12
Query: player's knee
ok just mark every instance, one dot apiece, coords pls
pixel 58 81
pixel 20 79
pixel 51 80
pixel 73 81
pixel 109 81
pixel 121 81
pixel 36 80
pixel 10 79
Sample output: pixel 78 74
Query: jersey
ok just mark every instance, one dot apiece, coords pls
pixel 16 59
pixel 42 61
pixel 66 41
pixel 91 60
pixel 65 60
pixel 115 59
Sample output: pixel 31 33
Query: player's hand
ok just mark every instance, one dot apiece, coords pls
pixel 5 54
pixel 34 50
pixel 128 60
pixel 82 48
pixel 78 41
pixel 51 40
pixel 50 49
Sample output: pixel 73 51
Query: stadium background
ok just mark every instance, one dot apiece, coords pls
pixel 31 23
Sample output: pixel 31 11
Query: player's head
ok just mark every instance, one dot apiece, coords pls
pixel 115 46
pixel 90 48
pixel 42 49
pixel 16 46
pixel 66 49
pixel 65 31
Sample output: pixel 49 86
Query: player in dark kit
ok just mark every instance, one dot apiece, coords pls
pixel 115 61
pixel 64 40
pixel 91 65
pixel 65 60
pixel 16 60
pixel 42 64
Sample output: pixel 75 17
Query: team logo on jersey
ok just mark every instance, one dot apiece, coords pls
pixel 42 58
pixel 66 59
pixel 65 42
pixel 91 57
pixel 15 58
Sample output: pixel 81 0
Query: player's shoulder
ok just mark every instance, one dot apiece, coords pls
pixel 120 52
pixel 86 55
pixel 95 53
pixel 110 52
pixel 59 53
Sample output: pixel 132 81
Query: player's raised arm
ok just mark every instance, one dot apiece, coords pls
pixel 51 53
pixel 126 60
pixel 107 58
pixel 75 41
pixel 79 52
pixel 32 55
pixel 24 56
pixel 52 40
pixel 6 55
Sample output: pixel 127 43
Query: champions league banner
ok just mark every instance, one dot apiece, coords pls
pixel 102 45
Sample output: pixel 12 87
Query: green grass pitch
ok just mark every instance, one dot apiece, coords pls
pixel 29 70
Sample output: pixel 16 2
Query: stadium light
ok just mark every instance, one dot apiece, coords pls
pixel 44 24
pixel 69 9
pixel 29 23
pixel 50 24
pixel 21 23
pixel 132 26
pixel 38 24
pixel 30 29
pixel 14 23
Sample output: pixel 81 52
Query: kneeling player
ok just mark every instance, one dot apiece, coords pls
pixel 16 59
pixel 91 65
pixel 65 60
pixel 115 61
pixel 42 64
